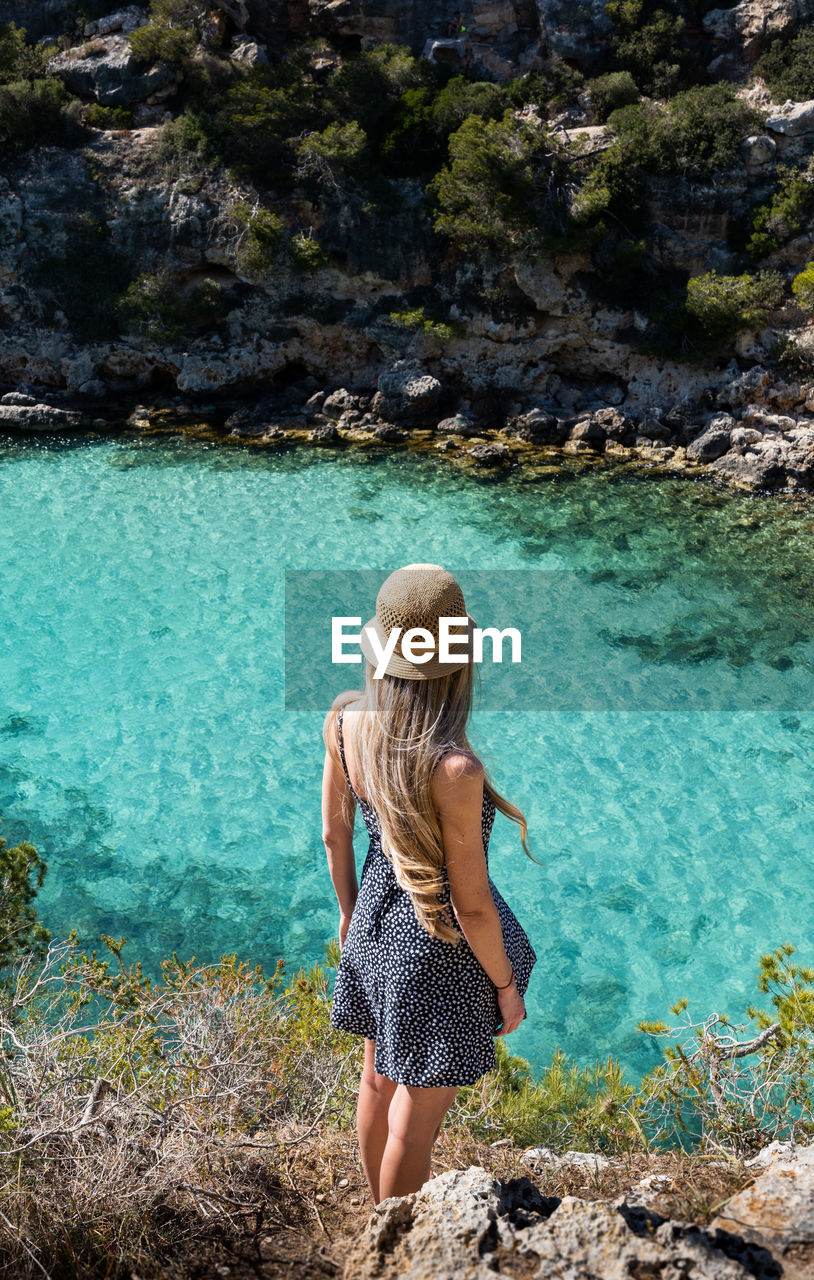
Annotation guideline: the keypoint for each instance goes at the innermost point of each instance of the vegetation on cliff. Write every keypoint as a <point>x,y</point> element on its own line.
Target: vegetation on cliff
<point>327,139</point>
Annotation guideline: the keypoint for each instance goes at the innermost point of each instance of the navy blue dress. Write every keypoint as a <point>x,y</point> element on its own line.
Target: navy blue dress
<point>428,1004</point>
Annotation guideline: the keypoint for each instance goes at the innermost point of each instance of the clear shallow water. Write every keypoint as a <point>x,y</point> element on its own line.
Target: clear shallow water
<point>146,750</point>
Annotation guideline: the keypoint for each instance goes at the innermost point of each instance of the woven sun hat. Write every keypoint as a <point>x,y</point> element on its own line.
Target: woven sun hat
<point>419,595</point>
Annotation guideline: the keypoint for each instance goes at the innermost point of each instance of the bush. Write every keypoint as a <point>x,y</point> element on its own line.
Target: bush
<point>171,33</point>
<point>306,252</point>
<point>737,1096</point>
<point>787,66</point>
<point>802,286</point>
<point>332,156</point>
<point>367,86</point>
<point>649,43</point>
<point>785,215</point>
<point>22,872</point>
<point>486,195</point>
<point>259,238</point>
<point>99,117</point>
<point>609,92</point>
<point>256,119</point>
<point>417,320</point>
<point>726,305</point>
<point>19,60</point>
<point>187,142</point>
<point>158,308</point>
<point>40,111</point>
<point>697,133</point>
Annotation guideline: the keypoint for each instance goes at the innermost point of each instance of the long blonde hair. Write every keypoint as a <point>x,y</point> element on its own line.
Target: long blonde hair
<point>405,726</point>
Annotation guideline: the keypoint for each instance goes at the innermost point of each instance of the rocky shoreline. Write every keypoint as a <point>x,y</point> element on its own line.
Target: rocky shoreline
<point>747,431</point>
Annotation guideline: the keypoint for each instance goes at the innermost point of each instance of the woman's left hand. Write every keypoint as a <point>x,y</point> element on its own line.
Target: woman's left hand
<point>344,925</point>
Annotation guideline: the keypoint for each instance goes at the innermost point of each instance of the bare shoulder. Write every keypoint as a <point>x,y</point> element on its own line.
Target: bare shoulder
<point>329,737</point>
<point>458,777</point>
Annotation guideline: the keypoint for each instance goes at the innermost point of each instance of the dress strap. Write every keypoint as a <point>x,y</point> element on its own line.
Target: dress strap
<point>342,749</point>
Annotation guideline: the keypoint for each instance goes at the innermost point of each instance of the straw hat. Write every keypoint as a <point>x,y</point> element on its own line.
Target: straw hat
<point>418,596</point>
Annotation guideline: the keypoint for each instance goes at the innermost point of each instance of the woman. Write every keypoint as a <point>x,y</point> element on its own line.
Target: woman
<point>433,963</point>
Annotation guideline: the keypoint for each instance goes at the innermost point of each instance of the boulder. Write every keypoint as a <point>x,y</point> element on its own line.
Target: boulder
<point>37,417</point>
<point>794,121</point>
<point>337,403</point>
<point>490,455</point>
<point>249,53</point>
<point>406,392</point>
<point>758,151</point>
<point>713,440</point>
<point>589,432</point>
<point>105,69</point>
<point>760,467</point>
<point>459,425</point>
<point>538,426</point>
<point>325,434</point>
<point>389,432</point>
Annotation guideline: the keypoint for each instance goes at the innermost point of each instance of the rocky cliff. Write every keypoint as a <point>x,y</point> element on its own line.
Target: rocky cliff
<point>540,339</point>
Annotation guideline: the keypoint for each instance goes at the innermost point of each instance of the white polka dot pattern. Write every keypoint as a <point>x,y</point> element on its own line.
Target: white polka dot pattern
<point>429,1005</point>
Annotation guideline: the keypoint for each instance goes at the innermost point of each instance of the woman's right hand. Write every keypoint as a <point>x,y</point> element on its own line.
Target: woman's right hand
<point>512,1009</point>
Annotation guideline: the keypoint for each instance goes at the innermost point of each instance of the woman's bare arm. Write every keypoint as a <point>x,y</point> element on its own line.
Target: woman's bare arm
<point>458,795</point>
<point>337,836</point>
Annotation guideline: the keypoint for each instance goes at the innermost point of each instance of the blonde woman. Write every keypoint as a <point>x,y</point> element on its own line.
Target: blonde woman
<point>433,962</point>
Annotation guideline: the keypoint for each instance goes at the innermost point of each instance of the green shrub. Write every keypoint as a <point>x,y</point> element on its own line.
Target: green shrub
<point>333,155</point>
<point>40,111</point>
<point>555,86</point>
<point>187,142</point>
<point>608,92</point>
<point>171,33</point>
<point>486,194</point>
<point>695,134</point>
<point>787,66</point>
<point>417,320</point>
<point>22,872</point>
<point>731,1095</point>
<point>649,43</point>
<point>258,117</point>
<point>20,60</point>
<point>726,305</point>
<point>259,238</point>
<point>367,86</point>
<point>160,309</point>
<point>802,286</point>
<point>785,215</point>
<point>306,252</point>
<point>99,117</point>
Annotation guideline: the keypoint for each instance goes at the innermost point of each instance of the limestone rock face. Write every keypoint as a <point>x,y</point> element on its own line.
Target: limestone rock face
<point>574,30</point>
<point>777,1211</point>
<point>108,72</point>
<point>464,1225</point>
<point>750,26</point>
<point>39,17</point>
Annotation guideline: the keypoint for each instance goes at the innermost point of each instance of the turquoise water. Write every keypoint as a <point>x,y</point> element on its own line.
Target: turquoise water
<point>146,750</point>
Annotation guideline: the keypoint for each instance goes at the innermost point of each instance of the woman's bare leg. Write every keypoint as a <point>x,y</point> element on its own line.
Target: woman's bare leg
<point>375,1094</point>
<point>414,1121</point>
